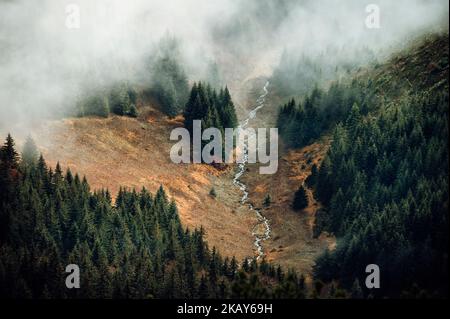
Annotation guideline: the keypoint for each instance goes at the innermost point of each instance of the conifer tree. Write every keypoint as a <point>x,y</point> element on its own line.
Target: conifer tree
<point>300,199</point>
<point>267,201</point>
<point>30,153</point>
<point>136,248</point>
<point>8,153</point>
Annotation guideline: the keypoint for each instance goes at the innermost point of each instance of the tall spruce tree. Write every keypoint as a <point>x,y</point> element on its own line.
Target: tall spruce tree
<point>8,153</point>
<point>300,199</point>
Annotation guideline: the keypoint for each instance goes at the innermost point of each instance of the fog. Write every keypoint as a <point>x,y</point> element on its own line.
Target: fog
<point>44,64</point>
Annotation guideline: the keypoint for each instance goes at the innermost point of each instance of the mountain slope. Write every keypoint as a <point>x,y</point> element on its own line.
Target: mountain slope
<point>120,151</point>
<point>384,180</point>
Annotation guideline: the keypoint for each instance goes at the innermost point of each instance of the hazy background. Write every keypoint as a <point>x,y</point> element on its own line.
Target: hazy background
<point>44,64</point>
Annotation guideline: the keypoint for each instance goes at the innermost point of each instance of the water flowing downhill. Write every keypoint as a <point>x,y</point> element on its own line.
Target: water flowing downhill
<point>259,238</point>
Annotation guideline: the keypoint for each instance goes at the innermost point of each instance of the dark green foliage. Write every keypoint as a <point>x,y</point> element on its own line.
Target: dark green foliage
<point>211,108</point>
<point>296,75</point>
<point>384,180</point>
<point>302,123</point>
<point>267,201</point>
<point>136,248</point>
<point>388,195</point>
<point>8,153</point>
<point>225,108</point>
<point>213,193</point>
<point>9,162</point>
<point>311,180</point>
<point>300,199</point>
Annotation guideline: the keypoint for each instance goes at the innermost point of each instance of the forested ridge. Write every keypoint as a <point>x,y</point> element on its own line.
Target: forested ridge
<point>135,247</point>
<point>384,180</point>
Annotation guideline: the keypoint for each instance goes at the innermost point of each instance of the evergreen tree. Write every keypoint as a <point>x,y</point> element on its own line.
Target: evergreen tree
<point>311,180</point>
<point>169,82</point>
<point>8,153</point>
<point>267,201</point>
<point>30,153</point>
<point>136,248</point>
<point>300,199</point>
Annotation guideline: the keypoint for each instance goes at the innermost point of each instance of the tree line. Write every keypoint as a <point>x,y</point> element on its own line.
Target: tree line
<point>297,73</point>
<point>212,108</point>
<point>120,99</point>
<point>133,247</point>
<point>384,180</point>
<point>168,79</point>
<point>303,122</point>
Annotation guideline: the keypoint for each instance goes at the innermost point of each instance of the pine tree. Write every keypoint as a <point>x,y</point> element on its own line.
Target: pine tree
<point>353,119</point>
<point>311,180</point>
<point>30,153</point>
<point>300,199</point>
<point>169,80</point>
<point>133,112</point>
<point>227,111</point>
<point>267,201</point>
<point>120,100</point>
<point>136,248</point>
<point>8,153</point>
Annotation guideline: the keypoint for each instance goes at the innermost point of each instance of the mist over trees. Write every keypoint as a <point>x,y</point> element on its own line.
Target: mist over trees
<point>169,82</point>
<point>123,99</point>
<point>116,39</point>
<point>303,122</point>
<point>383,184</point>
<point>384,180</point>
<point>299,73</point>
<point>120,99</point>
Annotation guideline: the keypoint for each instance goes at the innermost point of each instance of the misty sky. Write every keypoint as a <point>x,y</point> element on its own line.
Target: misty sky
<point>44,64</point>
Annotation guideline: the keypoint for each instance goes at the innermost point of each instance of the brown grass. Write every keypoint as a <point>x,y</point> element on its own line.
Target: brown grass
<point>121,151</point>
<point>291,244</point>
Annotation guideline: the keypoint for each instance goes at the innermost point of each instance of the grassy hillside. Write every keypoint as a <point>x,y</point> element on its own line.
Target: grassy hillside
<point>134,152</point>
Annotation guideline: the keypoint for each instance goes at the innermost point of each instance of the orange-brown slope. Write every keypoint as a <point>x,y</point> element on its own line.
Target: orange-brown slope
<point>291,243</point>
<point>121,151</point>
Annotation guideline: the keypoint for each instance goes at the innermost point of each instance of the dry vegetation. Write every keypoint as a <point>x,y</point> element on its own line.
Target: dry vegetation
<point>291,244</point>
<point>121,151</point>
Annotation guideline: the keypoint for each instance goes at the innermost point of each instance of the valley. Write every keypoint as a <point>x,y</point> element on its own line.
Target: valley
<point>227,150</point>
<point>134,153</point>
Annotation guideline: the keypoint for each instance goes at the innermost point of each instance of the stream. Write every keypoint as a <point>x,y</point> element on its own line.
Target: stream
<point>259,238</point>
